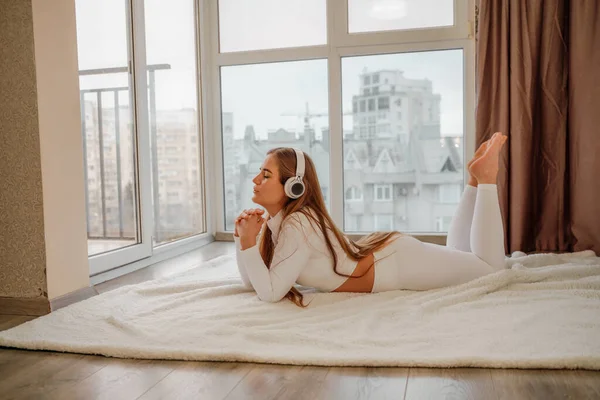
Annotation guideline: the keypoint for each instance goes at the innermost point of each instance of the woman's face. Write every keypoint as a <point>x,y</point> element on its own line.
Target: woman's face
<point>268,190</point>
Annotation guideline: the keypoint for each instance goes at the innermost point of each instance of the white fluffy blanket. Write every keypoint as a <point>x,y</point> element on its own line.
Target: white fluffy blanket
<point>542,312</point>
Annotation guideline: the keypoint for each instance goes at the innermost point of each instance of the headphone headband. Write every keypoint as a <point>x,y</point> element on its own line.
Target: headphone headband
<point>294,186</point>
<point>299,163</point>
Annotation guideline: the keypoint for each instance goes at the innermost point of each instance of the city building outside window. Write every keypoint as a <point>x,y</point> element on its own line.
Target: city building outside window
<point>382,192</point>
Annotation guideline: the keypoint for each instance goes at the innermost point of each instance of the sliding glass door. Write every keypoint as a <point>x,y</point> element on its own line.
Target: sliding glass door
<point>174,120</point>
<point>140,127</point>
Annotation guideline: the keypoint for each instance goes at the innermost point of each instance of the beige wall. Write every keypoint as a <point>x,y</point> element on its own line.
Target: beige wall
<point>22,247</point>
<point>61,145</point>
<point>43,244</point>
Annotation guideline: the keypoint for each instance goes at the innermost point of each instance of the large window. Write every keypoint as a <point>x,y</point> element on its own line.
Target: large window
<point>267,106</point>
<point>378,92</point>
<point>423,151</point>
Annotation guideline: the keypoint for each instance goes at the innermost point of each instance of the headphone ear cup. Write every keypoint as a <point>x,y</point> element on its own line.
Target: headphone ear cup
<point>287,188</point>
<point>297,189</point>
<point>294,188</point>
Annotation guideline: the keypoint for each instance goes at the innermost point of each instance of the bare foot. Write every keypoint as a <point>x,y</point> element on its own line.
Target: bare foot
<point>485,168</point>
<point>480,151</point>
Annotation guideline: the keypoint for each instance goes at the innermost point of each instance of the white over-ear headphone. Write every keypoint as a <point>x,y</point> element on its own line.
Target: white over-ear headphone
<point>294,186</point>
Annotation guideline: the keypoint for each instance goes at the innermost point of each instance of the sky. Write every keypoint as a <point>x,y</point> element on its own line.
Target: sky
<point>259,94</point>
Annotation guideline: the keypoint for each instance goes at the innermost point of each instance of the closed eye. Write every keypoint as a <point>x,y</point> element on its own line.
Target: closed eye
<point>265,170</point>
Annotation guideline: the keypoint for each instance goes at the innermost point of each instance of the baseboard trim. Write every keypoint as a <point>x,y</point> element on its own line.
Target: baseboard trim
<point>35,306</point>
<point>73,297</point>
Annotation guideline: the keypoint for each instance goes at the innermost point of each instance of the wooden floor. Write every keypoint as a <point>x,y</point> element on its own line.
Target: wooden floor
<point>48,375</point>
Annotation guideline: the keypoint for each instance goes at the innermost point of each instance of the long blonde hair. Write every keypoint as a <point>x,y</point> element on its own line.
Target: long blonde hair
<point>312,200</point>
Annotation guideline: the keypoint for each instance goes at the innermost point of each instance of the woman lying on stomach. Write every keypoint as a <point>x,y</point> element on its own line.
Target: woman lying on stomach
<point>299,243</point>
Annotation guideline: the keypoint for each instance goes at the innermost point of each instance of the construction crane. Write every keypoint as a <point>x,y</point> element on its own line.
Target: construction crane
<point>307,116</point>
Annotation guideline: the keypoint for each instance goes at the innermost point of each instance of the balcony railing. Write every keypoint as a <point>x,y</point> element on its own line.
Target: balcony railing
<point>120,230</point>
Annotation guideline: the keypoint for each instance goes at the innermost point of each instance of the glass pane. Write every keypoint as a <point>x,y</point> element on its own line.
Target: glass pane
<point>267,106</point>
<point>174,120</point>
<point>390,15</point>
<point>409,149</point>
<point>271,24</point>
<point>107,128</point>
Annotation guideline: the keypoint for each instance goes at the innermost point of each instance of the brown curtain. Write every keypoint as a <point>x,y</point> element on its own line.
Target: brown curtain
<point>538,81</point>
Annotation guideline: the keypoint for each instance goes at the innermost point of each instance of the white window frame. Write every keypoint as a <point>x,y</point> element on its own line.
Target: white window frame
<point>388,186</point>
<point>354,189</point>
<point>339,44</point>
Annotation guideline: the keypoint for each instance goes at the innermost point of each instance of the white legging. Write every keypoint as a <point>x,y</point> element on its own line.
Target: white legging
<point>475,247</point>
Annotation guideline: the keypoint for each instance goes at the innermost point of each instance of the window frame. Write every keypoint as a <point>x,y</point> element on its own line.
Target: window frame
<point>354,190</point>
<point>383,186</point>
<point>340,44</point>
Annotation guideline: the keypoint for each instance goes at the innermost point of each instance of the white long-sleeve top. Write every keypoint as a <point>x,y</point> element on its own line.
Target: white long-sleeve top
<point>300,256</point>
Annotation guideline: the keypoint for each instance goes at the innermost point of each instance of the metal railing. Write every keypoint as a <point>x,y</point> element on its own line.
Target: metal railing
<point>99,92</point>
